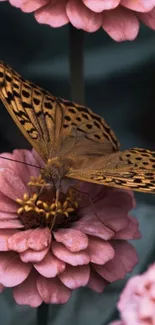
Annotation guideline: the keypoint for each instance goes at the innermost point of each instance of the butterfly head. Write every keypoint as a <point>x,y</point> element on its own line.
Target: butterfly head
<point>55,169</point>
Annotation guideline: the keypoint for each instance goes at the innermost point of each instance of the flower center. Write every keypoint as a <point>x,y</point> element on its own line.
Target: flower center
<point>40,209</point>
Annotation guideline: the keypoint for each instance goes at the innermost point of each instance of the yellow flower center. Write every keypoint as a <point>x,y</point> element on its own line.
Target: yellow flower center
<point>40,209</point>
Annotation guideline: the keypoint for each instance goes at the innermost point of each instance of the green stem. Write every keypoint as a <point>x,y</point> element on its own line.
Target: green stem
<point>42,314</point>
<point>76,62</point>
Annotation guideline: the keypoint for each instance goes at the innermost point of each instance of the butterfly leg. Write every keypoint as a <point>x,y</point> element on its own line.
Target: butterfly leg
<point>57,205</point>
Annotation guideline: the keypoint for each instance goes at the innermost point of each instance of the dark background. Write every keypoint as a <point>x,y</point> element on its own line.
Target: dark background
<point>120,86</point>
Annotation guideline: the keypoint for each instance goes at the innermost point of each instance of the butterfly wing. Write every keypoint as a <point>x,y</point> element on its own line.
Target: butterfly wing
<point>55,126</point>
<point>33,109</point>
<point>52,125</point>
<point>130,169</point>
<point>84,132</point>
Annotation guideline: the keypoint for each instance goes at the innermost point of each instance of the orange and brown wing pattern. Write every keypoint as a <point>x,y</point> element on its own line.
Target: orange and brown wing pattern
<point>130,169</point>
<point>32,109</point>
<point>52,125</point>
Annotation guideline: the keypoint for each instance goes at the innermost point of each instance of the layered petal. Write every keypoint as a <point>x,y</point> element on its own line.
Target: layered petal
<point>96,282</point>
<point>33,256</point>
<point>44,264</point>
<point>100,5</point>
<point>52,291</point>
<point>76,258</point>
<point>119,18</point>
<point>8,184</point>
<point>50,266</point>
<point>81,17</point>
<point>122,263</point>
<point>53,14</point>
<point>148,18</point>
<point>140,5</point>
<point>121,24</point>
<point>12,270</point>
<point>100,251</point>
<point>27,293</point>
<point>74,240</point>
<point>36,239</point>
<point>75,277</point>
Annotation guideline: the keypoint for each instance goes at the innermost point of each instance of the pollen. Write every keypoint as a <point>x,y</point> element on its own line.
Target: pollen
<point>37,181</point>
<point>41,209</point>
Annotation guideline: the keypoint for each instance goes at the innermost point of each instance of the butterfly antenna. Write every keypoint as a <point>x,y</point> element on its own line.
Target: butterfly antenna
<point>21,162</point>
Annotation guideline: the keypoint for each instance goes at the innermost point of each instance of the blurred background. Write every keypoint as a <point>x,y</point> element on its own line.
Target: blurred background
<point>120,86</point>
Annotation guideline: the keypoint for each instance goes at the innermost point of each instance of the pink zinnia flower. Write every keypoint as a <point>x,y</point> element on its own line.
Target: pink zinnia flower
<point>137,301</point>
<point>119,18</point>
<point>83,248</point>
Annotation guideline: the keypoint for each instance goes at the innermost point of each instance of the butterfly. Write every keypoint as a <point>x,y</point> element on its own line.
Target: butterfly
<point>73,141</point>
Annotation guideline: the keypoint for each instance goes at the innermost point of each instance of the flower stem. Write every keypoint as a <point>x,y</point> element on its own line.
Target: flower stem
<point>76,62</point>
<point>42,314</point>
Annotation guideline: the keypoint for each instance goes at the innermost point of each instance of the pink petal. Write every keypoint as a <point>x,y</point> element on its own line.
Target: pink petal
<point>12,270</point>
<point>17,3</point>
<point>5,216</point>
<point>52,291</point>
<point>29,158</point>
<point>130,232</point>
<point>36,239</point>
<point>139,5</point>
<point>100,251</point>
<point>5,234</point>
<point>123,262</point>
<point>92,226</point>
<point>10,224</point>
<point>73,239</point>
<point>53,14</point>
<point>61,252</point>
<point>93,190</point>
<point>75,277</point>
<point>6,163</point>
<point>7,205</point>
<point>100,5</point>
<point>39,239</point>
<point>26,293</point>
<point>113,209</point>
<point>33,256</point>
<point>120,23</point>
<point>11,185</point>
<point>96,282</point>
<point>21,170</point>
<point>18,241</point>
<point>50,266</point>
<point>81,17</point>
<point>32,5</point>
<point>146,309</point>
<point>148,18</point>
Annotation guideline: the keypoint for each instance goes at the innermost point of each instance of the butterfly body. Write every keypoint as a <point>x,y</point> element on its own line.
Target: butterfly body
<point>73,141</point>
<point>55,170</point>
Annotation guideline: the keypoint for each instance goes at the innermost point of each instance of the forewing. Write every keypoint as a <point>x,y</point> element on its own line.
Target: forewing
<point>131,169</point>
<point>84,132</point>
<point>53,126</point>
<point>35,111</point>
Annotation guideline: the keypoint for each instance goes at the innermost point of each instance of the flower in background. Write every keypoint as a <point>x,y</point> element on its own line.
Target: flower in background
<point>119,18</point>
<point>137,301</point>
<point>45,255</point>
